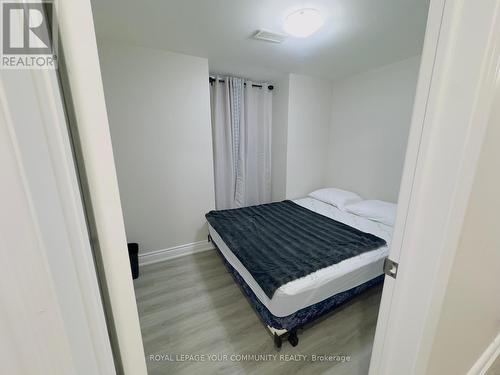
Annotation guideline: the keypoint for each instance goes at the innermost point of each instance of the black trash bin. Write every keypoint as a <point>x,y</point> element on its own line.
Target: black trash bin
<point>133,254</point>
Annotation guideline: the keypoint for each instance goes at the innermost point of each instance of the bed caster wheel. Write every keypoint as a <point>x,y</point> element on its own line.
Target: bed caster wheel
<point>277,341</point>
<point>293,339</point>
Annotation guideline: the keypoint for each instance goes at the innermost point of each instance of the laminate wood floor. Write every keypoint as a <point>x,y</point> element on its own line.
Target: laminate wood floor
<point>192,306</point>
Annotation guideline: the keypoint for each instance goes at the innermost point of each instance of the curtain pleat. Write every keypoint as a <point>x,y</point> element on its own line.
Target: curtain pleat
<point>222,136</point>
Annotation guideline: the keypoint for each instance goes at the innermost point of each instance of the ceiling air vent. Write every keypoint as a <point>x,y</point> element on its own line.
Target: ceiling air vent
<point>269,36</point>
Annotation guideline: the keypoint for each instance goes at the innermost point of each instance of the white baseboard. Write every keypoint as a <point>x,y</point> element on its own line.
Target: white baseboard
<point>487,358</point>
<point>174,252</point>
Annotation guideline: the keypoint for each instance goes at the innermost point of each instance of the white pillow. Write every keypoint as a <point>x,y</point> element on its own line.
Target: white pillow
<point>336,197</point>
<point>383,212</point>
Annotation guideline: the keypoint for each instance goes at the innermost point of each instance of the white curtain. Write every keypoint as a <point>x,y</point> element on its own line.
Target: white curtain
<point>241,129</point>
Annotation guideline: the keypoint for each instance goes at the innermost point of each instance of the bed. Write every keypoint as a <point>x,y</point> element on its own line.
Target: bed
<point>297,302</point>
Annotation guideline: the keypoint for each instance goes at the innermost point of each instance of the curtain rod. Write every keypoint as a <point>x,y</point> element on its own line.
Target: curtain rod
<point>212,80</point>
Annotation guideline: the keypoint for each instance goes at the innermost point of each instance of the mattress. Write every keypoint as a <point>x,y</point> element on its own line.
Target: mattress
<point>326,282</point>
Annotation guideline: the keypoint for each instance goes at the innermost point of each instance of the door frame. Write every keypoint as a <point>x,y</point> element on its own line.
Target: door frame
<point>457,85</point>
<point>98,173</point>
<point>453,97</point>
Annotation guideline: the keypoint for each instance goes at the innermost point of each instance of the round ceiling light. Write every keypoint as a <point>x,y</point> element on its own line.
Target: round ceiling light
<point>303,22</point>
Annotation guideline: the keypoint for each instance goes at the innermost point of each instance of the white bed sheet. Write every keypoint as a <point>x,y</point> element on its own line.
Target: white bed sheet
<point>327,281</point>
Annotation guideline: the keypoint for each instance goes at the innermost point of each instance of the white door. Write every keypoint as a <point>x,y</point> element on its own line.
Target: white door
<point>51,315</point>
<point>453,101</point>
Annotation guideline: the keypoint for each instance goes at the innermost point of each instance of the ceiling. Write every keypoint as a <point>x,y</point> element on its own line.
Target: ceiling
<point>358,35</point>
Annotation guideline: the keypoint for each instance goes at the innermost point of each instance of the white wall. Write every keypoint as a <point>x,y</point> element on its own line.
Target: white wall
<point>470,317</point>
<point>370,121</point>
<point>279,138</point>
<point>309,111</point>
<point>159,113</point>
<point>350,133</point>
